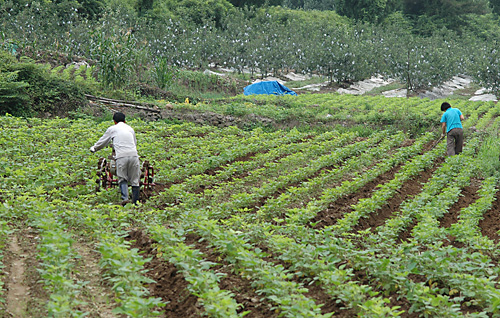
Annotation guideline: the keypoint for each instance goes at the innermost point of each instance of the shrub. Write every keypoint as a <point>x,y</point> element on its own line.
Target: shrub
<point>163,73</point>
<point>13,96</point>
<point>31,89</point>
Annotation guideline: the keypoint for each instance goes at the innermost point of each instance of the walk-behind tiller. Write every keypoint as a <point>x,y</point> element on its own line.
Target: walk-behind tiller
<point>106,174</point>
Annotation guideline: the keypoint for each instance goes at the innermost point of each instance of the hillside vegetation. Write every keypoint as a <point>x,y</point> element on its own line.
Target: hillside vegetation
<point>152,50</point>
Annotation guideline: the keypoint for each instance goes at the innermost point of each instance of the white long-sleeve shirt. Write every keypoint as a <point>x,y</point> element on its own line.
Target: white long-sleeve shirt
<point>123,138</point>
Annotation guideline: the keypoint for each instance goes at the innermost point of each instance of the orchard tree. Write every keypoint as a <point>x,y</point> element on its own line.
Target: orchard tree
<point>343,54</point>
<point>91,9</point>
<point>201,11</point>
<point>445,8</point>
<point>421,62</point>
<point>310,4</point>
<point>144,6</point>
<point>495,6</point>
<point>64,9</point>
<point>255,3</point>
<point>485,67</point>
<point>240,42</point>
<point>448,13</point>
<point>367,10</point>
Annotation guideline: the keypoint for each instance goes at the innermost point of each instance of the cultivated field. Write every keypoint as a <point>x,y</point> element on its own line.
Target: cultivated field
<point>287,223</point>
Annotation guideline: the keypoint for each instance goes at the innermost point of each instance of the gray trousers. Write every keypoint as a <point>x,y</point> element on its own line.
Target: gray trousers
<point>454,141</point>
<point>128,169</point>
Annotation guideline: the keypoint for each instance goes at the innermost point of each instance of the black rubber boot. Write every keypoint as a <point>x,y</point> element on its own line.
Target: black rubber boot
<point>135,194</point>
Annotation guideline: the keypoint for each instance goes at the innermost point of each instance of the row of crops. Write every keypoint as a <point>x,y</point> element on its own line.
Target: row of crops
<point>262,224</point>
<point>332,110</point>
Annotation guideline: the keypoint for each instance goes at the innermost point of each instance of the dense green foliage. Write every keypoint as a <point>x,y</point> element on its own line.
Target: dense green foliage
<point>13,95</point>
<point>27,88</point>
<point>144,42</point>
<point>368,10</point>
<point>495,6</point>
<point>260,199</point>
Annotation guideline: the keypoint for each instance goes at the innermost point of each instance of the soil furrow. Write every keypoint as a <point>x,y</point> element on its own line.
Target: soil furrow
<point>407,191</point>
<point>467,197</point>
<point>490,224</point>
<point>246,292</point>
<point>243,291</point>
<point>170,284</point>
<point>340,207</point>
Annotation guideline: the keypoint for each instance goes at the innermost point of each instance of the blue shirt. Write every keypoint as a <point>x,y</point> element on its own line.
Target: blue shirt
<point>452,119</point>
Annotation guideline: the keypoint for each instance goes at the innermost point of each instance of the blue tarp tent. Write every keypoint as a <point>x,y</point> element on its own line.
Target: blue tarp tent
<point>268,87</point>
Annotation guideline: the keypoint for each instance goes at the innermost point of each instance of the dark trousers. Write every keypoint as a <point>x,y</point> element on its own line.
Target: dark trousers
<point>455,141</point>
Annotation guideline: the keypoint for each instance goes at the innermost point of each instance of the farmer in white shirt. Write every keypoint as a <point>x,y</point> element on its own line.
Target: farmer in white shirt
<point>128,167</point>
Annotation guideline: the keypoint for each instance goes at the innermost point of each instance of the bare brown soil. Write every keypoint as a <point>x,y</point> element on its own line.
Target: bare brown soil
<point>340,207</point>
<point>172,287</point>
<point>24,294</point>
<point>407,191</point>
<point>244,293</point>
<point>490,224</point>
<point>467,196</point>
<point>96,293</point>
<point>18,290</point>
<point>170,284</point>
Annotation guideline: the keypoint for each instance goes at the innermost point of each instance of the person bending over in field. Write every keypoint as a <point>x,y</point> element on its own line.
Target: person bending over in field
<point>451,123</point>
<point>128,167</point>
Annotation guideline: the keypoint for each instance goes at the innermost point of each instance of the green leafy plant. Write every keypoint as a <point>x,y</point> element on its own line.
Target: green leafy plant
<point>164,74</point>
<point>116,56</point>
<point>13,95</point>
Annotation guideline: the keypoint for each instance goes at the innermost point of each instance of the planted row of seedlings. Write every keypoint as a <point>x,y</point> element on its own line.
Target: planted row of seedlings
<point>378,240</point>
<point>212,230</point>
<point>281,165</point>
<point>335,277</point>
<point>434,197</point>
<point>298,195</point>
<point>314,207</point>
<point>233,197</point>
<point>55,253</point>
<point>48,161</point>
<point>122,267</point>
<point>193,159</point>
<point>195,182</point>
<point>467,230</point>
<point>377,111</point>
<point>164,234</point>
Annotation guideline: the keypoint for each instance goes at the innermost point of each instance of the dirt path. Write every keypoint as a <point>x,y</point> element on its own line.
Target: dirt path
<point>25,296</point>
<point>18,291</point>
<point>98,298</point>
